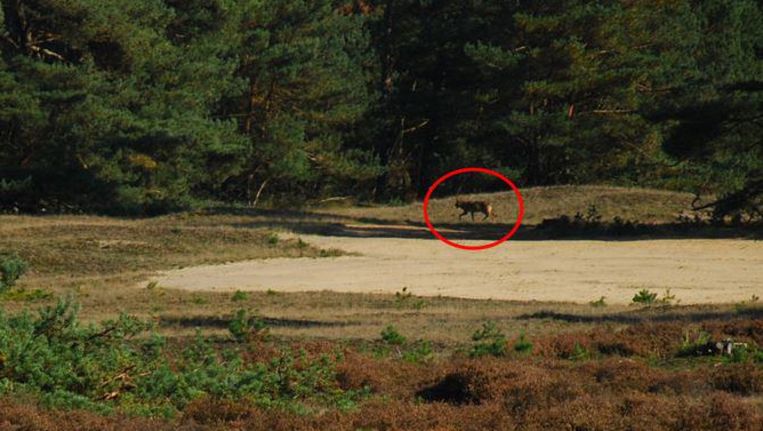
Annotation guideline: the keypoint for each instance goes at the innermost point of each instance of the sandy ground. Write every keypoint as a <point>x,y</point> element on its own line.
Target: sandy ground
<point>696,270</point>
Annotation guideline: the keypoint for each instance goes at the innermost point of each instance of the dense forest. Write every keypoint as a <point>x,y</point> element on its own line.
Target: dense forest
<point>148,106</point>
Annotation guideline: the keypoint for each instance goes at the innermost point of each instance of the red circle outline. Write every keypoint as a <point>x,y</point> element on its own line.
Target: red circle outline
<point>482,171</point>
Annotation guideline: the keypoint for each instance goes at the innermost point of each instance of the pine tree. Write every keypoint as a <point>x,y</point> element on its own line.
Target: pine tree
<point>717,118</point>
<point>117,113</point>
<point>303,63</point>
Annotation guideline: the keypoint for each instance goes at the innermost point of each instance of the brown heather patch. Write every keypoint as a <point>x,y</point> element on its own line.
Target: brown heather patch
<point>750,330</point>
<point>742,379</point>
<point>474,394</point>
<point>397,379</point>
<point>648,339</point>
<point>16,416</point>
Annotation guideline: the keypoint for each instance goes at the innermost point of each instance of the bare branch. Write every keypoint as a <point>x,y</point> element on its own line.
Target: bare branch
<point>47,52</point>
<point>414,128</point>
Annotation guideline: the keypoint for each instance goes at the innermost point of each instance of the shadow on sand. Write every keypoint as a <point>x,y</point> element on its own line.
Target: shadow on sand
<point>649,315</point>
<point>328,224</point>
<point>223,322</point>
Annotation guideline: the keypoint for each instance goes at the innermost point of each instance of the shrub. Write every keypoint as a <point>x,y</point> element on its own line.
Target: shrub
<point>741,354</point>
<point>644,296</point>
<point>66,364</point>
<point>598,303</point>
<point>239,296</point>
<point>488,341</point>
<point>390,336</point>
<point>668,298</point>
<point>12,268</point>
<point>244,326</point>
<point>522,345</point>
<point>420,351</point>
<point>579,353</point>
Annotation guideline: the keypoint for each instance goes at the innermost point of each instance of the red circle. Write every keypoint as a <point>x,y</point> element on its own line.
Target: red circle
<point>474,247</point>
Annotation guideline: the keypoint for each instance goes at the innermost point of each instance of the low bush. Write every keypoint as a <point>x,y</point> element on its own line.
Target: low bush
<point>488,341</point>
<point>245,326</point>
<point>420,351</point>
<point>391,336</point>
<point>644,296</point>
<point>522,345</point>
<point>598,303</point>
<point>120,366</point>
<point>239,296</point>
<point>12,267</point>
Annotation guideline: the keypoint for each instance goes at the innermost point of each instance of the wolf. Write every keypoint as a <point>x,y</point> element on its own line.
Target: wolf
<point>471,207</point>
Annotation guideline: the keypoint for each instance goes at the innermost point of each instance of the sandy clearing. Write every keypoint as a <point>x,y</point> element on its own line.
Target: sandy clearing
<point>696,271</point>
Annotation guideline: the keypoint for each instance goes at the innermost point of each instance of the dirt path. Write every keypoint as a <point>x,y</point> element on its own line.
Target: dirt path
<point>696,271</point>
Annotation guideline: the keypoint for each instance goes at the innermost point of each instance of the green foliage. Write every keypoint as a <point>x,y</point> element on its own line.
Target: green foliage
<point>145,106</point>
<point>579,353</point>
<point>418,352</point>
<point>598,303</point>
<point>715,127</point>
<point>645,296</point>
<point>523,345</point>
<point>391,336</point>
<point>303,64</point>
<point>757,356</point>
<point>150,106</point>
<point>12,267</point>
<point>245,326</point>
<point>741,355</point>
<point>489,340</point>
<point>239,296</point>
<point>116,367</point>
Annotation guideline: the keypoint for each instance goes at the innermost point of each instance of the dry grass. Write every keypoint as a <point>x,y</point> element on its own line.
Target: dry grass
<point>101,260</point>
<point>644,205</point>
<point>631,377</point>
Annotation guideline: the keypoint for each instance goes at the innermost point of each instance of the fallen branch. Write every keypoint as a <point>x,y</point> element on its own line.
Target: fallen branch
<point>336,198</point>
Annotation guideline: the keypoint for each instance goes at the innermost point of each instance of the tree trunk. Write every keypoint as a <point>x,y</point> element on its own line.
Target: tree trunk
<point>259,192</point>
<point>385,144</point>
